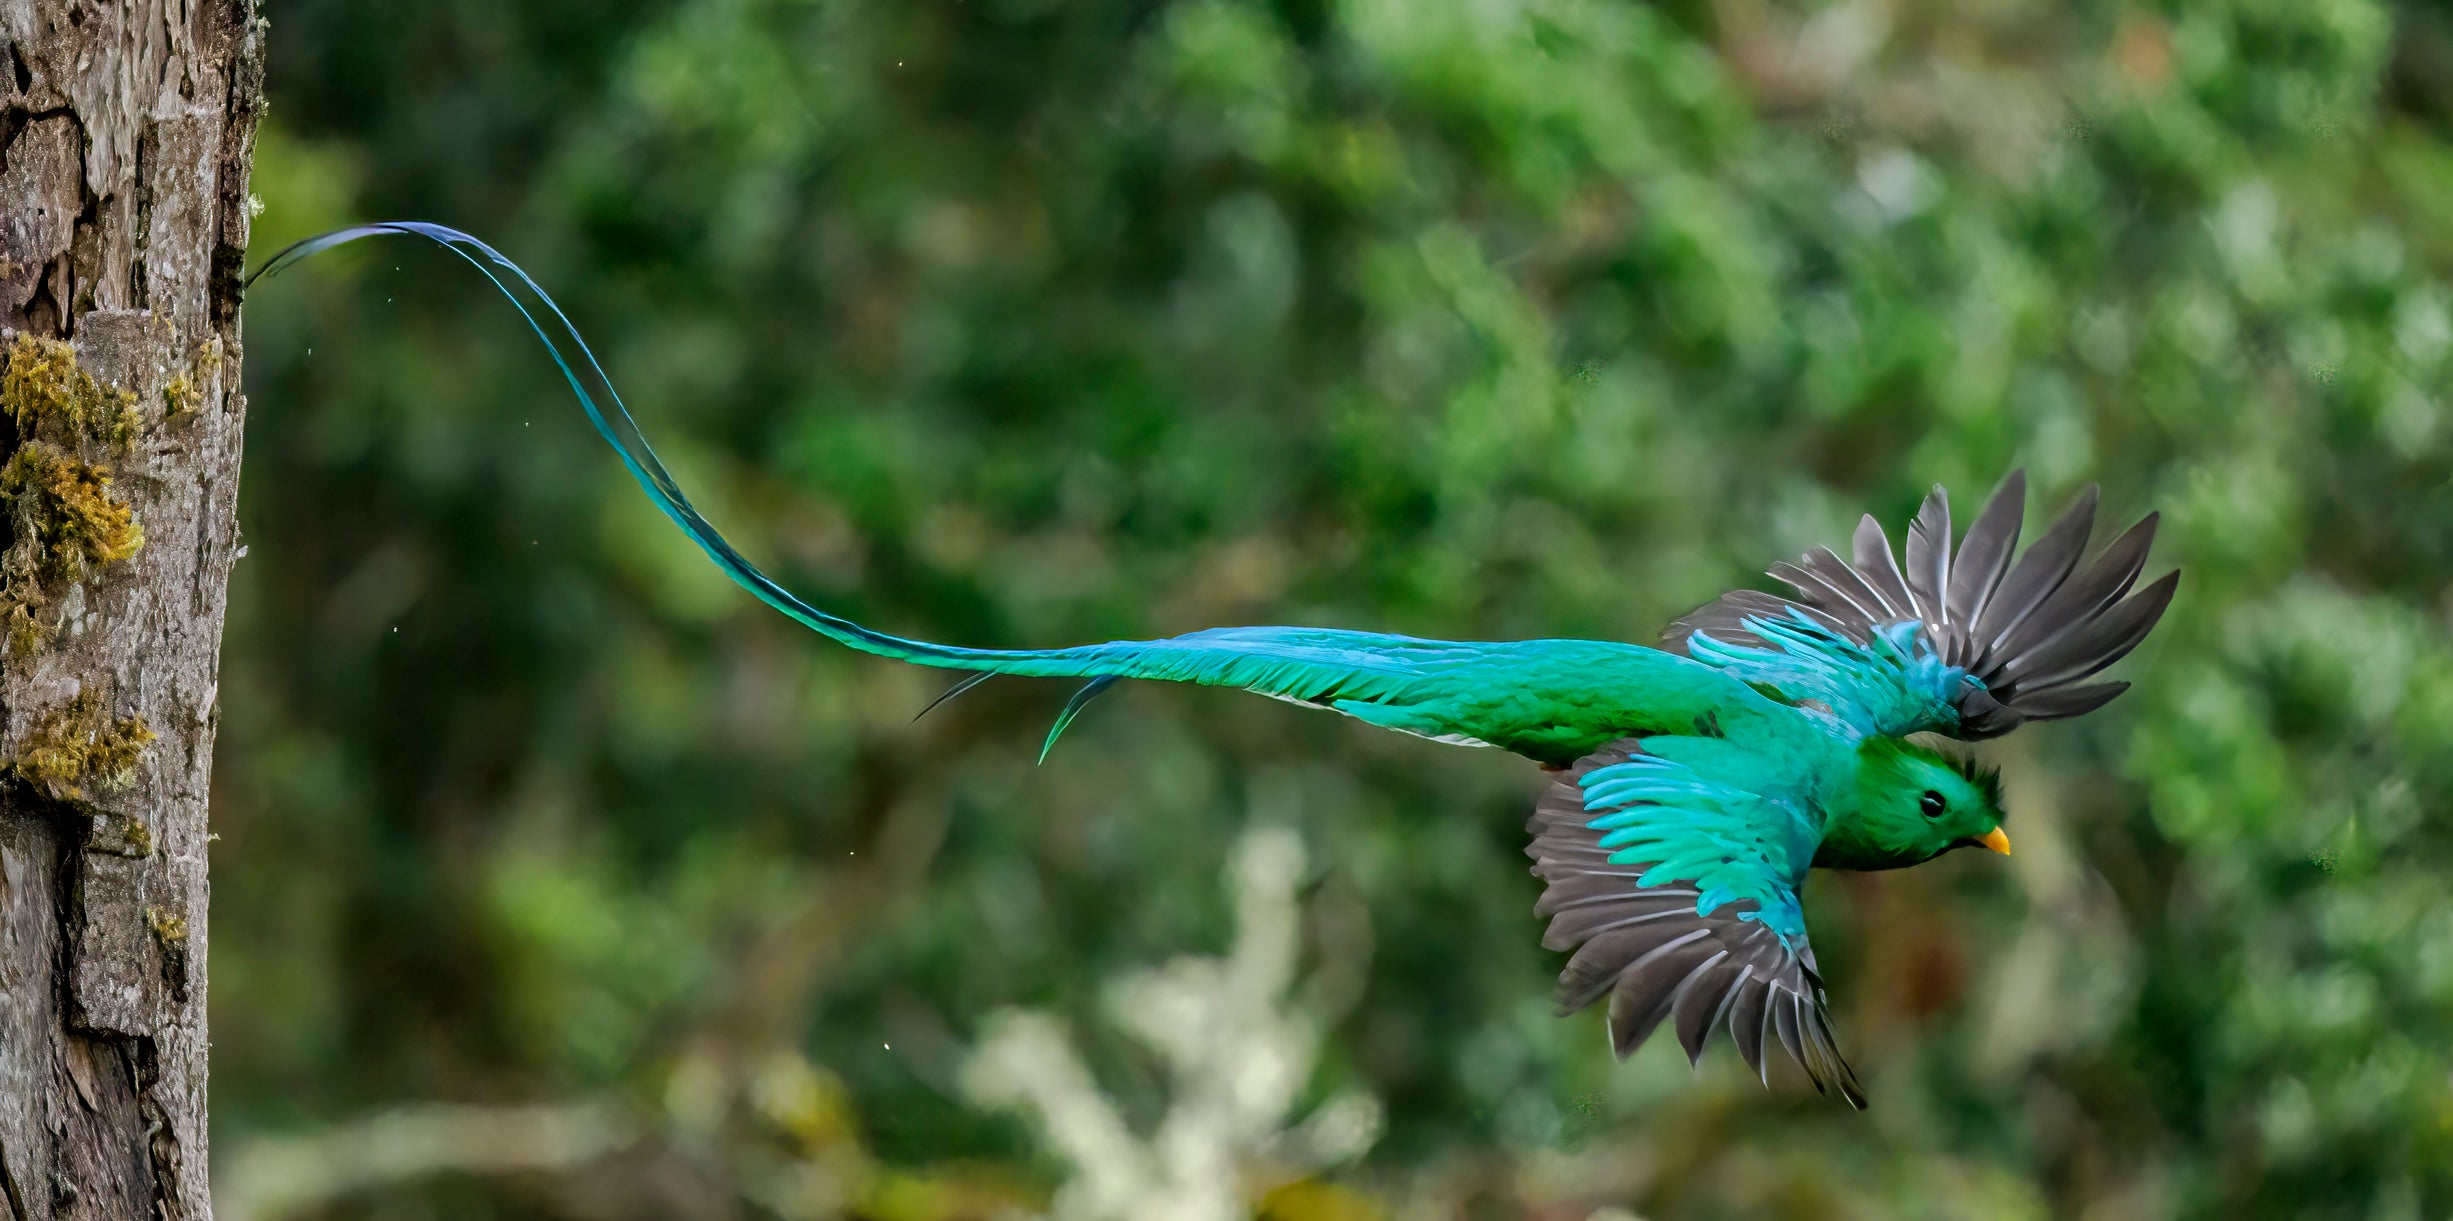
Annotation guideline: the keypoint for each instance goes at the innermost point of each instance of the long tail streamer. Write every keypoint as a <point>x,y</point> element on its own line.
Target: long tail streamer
<point>615,424</point>
<point>1327,668</point>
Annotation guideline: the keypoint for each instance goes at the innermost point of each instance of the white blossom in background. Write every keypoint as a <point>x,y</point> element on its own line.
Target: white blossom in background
<point>1237,1048</point>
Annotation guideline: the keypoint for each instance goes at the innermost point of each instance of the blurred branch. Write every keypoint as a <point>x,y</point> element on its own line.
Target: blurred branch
<point>285,1176</point>
<point>1239,1053</point>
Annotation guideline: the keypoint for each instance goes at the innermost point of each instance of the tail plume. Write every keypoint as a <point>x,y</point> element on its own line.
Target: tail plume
<point>1350,671</point>
<point>620,430</point>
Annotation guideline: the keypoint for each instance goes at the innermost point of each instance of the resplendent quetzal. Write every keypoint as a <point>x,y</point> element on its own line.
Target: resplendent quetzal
<point>1691,785</point>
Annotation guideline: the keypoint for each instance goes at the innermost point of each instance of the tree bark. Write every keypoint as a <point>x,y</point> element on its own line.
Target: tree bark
<point>126,129</point>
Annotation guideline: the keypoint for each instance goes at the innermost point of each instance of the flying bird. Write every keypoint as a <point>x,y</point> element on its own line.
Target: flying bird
<point>1689,786</point>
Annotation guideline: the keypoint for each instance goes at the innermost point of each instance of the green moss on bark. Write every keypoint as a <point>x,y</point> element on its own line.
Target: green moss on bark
<point>67,524</point>
<point>49,395</point>
<point>81,744</point>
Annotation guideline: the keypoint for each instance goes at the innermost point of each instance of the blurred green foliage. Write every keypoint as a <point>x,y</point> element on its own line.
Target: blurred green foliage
<point>1016,322</point>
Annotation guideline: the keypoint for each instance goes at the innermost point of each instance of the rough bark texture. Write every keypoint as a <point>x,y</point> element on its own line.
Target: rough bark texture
<point>126,128</point>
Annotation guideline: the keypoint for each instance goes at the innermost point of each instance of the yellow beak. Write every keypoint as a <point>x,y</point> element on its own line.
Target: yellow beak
<point>1997,841</point>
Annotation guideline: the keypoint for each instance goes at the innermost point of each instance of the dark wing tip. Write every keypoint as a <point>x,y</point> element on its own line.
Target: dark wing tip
<point>1659,963</point>
<point>1833,1070</point>
<point>2050,622</point>
<point>2030,626</point>
<point>2046,678</point>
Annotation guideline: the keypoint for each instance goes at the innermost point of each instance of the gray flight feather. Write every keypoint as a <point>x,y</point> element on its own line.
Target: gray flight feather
<point>2027,627</point>
<point>1658,961</point>
<point>1929,557</point>
<point>1984,555</point>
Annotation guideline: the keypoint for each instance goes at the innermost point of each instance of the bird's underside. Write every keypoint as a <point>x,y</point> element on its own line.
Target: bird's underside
<point>1670,871</point>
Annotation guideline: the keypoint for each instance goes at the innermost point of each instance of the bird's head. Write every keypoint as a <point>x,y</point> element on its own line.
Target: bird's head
<point>1914,803</point>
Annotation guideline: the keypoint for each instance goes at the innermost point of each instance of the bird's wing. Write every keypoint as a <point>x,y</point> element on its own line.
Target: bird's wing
<point>1967,643</point>
<point>1678,893</point>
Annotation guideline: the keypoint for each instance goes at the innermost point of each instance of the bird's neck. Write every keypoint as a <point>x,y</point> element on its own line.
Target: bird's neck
<point>1852,837</point>
<point>1849,844</point>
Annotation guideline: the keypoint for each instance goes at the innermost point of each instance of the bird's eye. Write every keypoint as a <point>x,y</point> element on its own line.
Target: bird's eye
<point>1930,803</point>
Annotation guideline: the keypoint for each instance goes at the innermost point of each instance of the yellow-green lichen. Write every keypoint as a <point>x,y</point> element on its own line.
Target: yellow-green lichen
<point>179,396</point>
<point>76,522</point>
<point>26,631</point>
<point>65,521</point>
<point>183,394</point>
<point>168,926</point>
<point>80,743</point>
<point>135,839</point>
<point>49,395</point>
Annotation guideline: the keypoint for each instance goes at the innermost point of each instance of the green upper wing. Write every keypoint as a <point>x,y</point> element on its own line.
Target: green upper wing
<point>1969,644</point>
<point>1676,885</point>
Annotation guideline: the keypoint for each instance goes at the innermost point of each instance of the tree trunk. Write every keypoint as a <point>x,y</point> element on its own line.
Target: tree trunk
<point>126,128</point>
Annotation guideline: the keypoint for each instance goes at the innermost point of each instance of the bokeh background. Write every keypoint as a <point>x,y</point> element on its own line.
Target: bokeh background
<point>559,879</point>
